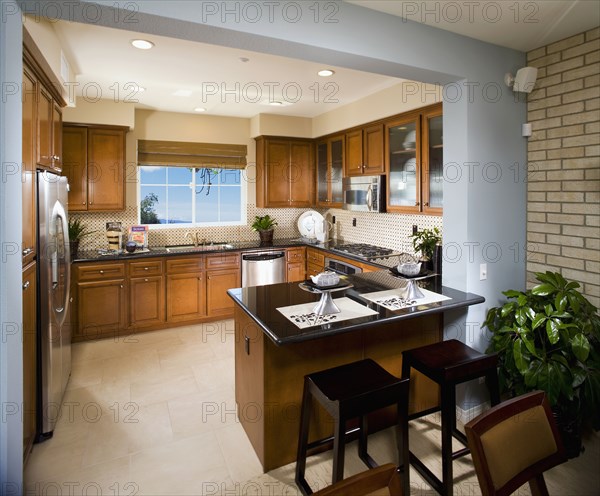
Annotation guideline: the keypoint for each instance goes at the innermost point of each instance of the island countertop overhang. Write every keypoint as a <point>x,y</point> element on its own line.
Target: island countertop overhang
<point>261,304</point>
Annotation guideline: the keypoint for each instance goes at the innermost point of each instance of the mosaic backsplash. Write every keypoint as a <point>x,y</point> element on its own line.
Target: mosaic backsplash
<point>386,230</point>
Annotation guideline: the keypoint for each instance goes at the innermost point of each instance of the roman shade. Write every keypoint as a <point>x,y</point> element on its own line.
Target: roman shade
<point>188,154</point>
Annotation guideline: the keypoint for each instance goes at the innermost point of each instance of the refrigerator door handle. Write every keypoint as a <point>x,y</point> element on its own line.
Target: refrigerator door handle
<point>60,213</point>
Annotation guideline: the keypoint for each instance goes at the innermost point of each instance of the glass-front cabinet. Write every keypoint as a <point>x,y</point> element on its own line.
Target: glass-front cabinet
<point>414,162</point>
<point>330,163</point>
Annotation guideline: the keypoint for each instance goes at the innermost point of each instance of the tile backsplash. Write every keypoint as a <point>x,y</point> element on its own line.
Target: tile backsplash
<point>387,230</point>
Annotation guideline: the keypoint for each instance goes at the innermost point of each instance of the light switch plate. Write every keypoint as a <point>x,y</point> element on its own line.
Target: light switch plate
<point>482,272</point>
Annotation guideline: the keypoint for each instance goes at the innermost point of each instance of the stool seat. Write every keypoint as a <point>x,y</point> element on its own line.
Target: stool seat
<point>346,392</point>
<point>449,363</point>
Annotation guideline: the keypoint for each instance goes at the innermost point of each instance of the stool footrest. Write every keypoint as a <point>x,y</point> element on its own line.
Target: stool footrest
<point>460,436</point>
<point>424,472</point>
<point>460,453</point>
<point>320,442</point>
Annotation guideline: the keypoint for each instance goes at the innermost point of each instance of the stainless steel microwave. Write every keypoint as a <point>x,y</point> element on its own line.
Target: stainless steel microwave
<point>364,193</point>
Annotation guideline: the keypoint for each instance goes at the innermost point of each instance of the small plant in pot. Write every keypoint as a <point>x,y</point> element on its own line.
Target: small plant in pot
<point>77,231</point>
<point>264,225</point>
<point>548,338</point>
<point>424,242</point>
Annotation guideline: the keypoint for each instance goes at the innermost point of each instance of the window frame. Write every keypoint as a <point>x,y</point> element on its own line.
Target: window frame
<point>243,202</point>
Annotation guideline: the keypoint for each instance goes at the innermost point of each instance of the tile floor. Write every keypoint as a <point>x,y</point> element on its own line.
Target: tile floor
<point>154,414</point>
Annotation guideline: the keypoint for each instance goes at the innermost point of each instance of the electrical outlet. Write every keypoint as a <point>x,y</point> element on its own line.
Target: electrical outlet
<point>482,272</point>
<point>415,229</point>
<point>354,222</point>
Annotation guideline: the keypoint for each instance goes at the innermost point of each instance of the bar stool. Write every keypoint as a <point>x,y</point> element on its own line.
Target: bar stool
<point>347,392</point>
<point>449,363</point>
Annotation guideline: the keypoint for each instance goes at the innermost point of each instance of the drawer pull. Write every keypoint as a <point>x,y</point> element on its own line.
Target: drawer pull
<point>25,285</point>
<point>101,272</point>
<point>145,268</point>
<point>27,251</point>
<point>121,286</point>
<point>145,280</point>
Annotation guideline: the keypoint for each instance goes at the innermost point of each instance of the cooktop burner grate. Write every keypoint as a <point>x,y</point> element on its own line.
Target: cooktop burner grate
<point>365,251</point>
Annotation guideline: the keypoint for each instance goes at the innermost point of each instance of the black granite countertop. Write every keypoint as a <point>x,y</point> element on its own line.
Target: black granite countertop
<point>261,304</point>
<point>234,246</point>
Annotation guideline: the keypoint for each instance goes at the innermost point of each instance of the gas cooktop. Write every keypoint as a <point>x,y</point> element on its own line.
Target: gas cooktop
<point>366,251</point>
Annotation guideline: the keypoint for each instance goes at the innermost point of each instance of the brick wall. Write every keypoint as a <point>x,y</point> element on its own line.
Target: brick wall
<point>563,204</point>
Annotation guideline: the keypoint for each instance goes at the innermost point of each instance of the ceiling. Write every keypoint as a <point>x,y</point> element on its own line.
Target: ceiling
<point>523,25</point>
<point>180,75</point>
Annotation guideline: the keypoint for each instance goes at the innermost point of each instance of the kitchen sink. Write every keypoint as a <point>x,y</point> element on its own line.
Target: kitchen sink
<point>192,248</point>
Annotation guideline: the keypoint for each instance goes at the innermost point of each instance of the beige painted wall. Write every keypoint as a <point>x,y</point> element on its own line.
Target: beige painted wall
<point>105,112</point>
<point>281,125</point>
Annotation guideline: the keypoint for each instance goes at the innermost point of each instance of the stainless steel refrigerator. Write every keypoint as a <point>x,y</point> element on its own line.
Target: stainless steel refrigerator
<point>54,267</point>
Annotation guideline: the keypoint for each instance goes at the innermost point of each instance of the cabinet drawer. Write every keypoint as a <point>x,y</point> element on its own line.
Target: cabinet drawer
<point>183,265</point>
<point>315,257</point>
<point>313,269</point>
<point>145,268</point>
<point>100,272</point>
<point>295,254</point>
<point>224,260</point>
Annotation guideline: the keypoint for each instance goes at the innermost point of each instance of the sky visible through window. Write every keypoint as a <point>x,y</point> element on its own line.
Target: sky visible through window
<point>181,195</point>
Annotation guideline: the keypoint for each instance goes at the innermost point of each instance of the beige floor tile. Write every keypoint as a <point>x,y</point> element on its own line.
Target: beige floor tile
<point>242,462</point>
<point>131,367</point>
<point>176,356</point>
<point>108,439</point>
<point>186,466</point>
<point>49,460</point>
<point>148,427</point>
<point>86,373</point>
<point>202,412</point>
<point>164,386</point>
<point>218,374</point>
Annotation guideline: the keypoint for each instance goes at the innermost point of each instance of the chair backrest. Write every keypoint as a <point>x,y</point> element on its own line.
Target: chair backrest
<point>514,443</point>
<point>380,481</point>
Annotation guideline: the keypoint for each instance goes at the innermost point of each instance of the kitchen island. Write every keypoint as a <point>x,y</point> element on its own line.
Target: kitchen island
<point>277,343</point>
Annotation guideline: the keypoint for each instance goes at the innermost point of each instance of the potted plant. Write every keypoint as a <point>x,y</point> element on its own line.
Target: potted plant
<point>264,225</point>
<point>424,242</point>
<point>77,231</point>
<point>548,338</point>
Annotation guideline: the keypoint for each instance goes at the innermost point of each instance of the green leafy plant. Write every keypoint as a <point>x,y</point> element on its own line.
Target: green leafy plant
<point>263,223</point>
<point>77,230</point>
<point>424,242</point>
<point>548,338</point>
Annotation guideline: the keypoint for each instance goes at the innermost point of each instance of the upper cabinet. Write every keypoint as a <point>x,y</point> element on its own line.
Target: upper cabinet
<point>414,156</point>
<point>49,134</point>
<point>28,179</point>
<point>330,164</point>
<point>364,151</point>
<point>94,162</point>
<point>284,172</point>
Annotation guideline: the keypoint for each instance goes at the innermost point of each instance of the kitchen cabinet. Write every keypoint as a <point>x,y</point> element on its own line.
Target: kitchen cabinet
<point>284,172</point>
<point>146,293</point>
<point>100,300</point>
<point>29,358</point>
<point>48,131</point>
<point>364,151</point>
<point>315,261</point>
<point>94,162</point>
<point>414,155</point>
<point>28,175</point>
<point>296,264</point>
<point>186,295</point>
<point>330,165</point>
<point>222,273</point>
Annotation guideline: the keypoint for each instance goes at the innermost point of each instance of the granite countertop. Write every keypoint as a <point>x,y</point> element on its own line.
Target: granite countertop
<point>261,304</point>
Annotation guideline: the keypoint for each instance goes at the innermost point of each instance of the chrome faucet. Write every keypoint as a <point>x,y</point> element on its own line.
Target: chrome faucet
<point>200,241</point>
<point>193,239</point>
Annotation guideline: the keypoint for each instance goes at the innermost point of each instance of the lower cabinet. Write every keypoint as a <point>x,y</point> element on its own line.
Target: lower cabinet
<point>217,284</point>
<point>296,264</point>
<point>186,293</point>
<point>29,358</point>
<point>101,309</point>
<point>146,301</point>
<point>315,262</point>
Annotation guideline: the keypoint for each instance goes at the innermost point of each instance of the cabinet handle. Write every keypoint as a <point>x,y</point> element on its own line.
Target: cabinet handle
<point>417,204</point>
<point>121,286</point>
<point>27,251</point>
<point>70,300</point>
<point>427,204</point>
<point>25,285</point>
<point>101,272</point>
<point>83,203</point>
<point>145,268</point>
<point>145,280</point>
<point>247,345</point>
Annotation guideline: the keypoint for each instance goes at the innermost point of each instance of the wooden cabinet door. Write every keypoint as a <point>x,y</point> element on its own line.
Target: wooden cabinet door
<point>217,284</point>
<point>373,156</point>
<point>277,174</point>
<point>296,272</point>
<point>28,168</point>
<point>433,159</point>
<point>75,166</point>
<point>106,163</point>
<point>56,137</point>
<point>301,174</point>
<point>186,298</point>
<point>29,358</point>
<point>100,308</point>
<point>146,301</point>
<point>45,108</point>
<point>353,165</point>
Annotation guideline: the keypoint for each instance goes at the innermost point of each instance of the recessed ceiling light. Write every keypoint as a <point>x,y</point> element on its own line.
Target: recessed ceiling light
<point>199,109</point>
<point>326,73</point>
<point>244,59</point>
<point>142,44</point>
<point>140,89</point>
<point>276,103</point>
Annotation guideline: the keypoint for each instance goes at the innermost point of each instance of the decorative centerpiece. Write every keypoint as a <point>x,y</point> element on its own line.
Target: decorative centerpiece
<point>77,231</point>
<point>264,225</point>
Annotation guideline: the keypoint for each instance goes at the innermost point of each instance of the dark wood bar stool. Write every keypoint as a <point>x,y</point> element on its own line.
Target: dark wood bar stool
<point>348,392</point>
<point>449,363</point>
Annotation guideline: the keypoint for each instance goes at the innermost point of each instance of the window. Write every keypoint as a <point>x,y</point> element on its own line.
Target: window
<point>182,196</point>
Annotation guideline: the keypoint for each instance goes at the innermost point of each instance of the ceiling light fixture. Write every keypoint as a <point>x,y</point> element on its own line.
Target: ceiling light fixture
<point>199,109</point>
<point>276,103</point>
<point>142,44</point>
<point>326,73</point>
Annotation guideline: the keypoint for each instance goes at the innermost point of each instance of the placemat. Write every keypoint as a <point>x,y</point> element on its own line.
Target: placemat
<point>394,299</point>
<point>303,316</point>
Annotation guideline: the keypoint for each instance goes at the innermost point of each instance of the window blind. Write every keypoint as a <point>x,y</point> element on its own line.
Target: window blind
<point>188,154</point>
